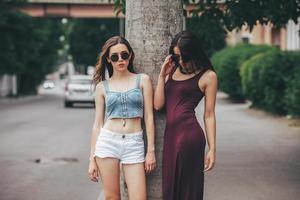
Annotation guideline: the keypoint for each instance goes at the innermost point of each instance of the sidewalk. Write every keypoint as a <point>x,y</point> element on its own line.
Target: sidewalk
<point>258,155</point>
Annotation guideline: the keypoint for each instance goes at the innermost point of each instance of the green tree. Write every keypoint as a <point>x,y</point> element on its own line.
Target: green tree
<point>43,37</point>
<point>10,33</point>
<point>234,14</point>
<point>211,19</point>
<point>87,37</point>
<point>209,31</point>
<point>28,47</point>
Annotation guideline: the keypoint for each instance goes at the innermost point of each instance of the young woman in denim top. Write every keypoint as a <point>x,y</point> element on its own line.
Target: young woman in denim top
<point>186,77</point>
<point>123,100</point>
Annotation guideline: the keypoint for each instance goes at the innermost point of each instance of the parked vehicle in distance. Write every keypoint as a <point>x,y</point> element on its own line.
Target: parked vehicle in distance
<point>48,84</point>
<point>78,89</point>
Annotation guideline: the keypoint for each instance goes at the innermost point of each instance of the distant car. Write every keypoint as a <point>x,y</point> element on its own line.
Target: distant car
<point>48,84</point>
<point>78,89</point>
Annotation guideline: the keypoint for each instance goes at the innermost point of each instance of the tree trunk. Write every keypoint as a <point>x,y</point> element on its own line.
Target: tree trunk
<point>149,27</point>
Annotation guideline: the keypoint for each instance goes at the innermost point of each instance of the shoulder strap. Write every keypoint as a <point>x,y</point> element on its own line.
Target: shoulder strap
<point>105,84</point>
<point>172,72</point>
<point>201,73</point>
<point>138,80</point>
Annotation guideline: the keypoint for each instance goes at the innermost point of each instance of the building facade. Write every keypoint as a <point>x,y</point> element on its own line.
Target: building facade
<point>287,38</point>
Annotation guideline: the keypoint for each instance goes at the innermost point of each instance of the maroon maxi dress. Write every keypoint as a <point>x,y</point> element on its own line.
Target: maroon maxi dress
<point>184,141</point>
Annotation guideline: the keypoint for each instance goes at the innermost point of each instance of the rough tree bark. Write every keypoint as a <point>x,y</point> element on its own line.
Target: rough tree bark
<point>149,27</point>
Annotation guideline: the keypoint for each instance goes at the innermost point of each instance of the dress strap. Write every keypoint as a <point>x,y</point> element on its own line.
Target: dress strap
<point>201,73</point>
<point>172,72</point>
<point>105,84</point>
<point>138,80</point>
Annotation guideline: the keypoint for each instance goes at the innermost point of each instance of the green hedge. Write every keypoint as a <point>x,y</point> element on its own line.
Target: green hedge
<point>250,74</point>
<point>227,63</point>
<point>263,81</point>
<point>292,92</point>
<point>270,81</point>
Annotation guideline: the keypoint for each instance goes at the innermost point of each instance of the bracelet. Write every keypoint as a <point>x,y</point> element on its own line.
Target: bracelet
<point>152,149</point>
<point>92,159</point>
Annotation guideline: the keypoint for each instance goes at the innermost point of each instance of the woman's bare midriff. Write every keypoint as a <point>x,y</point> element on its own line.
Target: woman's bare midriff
<point>132,125</point>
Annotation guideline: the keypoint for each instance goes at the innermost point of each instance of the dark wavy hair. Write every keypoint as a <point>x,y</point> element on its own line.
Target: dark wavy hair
<point>191,51</point>
<point>102,64</point>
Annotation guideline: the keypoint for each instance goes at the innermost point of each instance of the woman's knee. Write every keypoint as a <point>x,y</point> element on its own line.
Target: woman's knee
<point>137,195</point>
<point>112,196</point>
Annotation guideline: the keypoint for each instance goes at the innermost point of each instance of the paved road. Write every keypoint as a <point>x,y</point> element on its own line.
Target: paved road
<point>41,128</point>
<point>258,155</point>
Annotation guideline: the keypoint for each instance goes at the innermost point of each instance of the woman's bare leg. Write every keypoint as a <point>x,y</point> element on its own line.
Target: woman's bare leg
<point>110,175</point>
<point>135,180</point>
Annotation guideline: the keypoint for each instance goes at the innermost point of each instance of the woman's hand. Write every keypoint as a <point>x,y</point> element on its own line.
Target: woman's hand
<point>93,171</point>
<point>210,160</point>
<point>166,67</point>
<point>150,162</point>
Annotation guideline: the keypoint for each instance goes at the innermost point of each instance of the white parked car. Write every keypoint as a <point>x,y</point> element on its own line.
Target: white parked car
<point>79,89</point>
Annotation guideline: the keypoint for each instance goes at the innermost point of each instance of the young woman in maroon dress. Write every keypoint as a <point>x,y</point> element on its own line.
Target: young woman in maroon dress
<point>186,77</point>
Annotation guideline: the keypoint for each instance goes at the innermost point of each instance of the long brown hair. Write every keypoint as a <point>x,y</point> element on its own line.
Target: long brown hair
<point>191,51</point>
<point>102,64</point>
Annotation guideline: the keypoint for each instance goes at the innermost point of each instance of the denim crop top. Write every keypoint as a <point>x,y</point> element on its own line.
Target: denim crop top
<point>127,104</point>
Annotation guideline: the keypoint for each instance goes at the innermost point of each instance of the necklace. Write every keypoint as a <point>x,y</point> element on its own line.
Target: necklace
<point>184,71</point>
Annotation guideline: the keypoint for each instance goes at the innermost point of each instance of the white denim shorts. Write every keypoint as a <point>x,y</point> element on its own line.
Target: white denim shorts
<point>128,148</point>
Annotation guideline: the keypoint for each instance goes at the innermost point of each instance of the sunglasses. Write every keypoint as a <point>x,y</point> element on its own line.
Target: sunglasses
<point>115,57</point>
<point>175,58</point>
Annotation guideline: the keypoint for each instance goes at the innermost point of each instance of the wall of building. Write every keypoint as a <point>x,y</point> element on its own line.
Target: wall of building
<point>287,38</point>
<point>293,35</point>
<point>8,85</point>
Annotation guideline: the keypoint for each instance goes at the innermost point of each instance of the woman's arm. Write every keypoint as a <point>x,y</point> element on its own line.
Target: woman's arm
<point>209,117</point>
<point>159,95</point>
<point>149,122</point>
<point>98,123</point>
<point>99,117</point>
